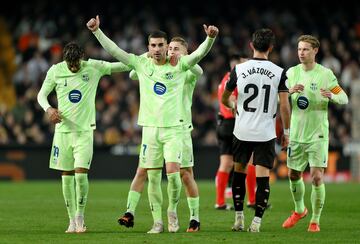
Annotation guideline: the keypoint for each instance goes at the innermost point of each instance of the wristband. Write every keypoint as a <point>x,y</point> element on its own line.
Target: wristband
<point>286,132</point>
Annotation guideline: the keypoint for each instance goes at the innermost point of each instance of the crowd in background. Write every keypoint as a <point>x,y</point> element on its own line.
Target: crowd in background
<point>32,41</point>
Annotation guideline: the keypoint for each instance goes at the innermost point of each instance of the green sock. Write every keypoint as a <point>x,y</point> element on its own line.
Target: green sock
<point>174,190</point>
<point>297,188</point>
<point>82,188</point>
<point>68,187</point>
<point>193,203</point>
<point>132,201</point>
<point>155,194</point>
<point>317,202</point>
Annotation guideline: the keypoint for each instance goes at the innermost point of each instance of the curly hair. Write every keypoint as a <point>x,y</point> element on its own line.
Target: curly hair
<point>73,53</point>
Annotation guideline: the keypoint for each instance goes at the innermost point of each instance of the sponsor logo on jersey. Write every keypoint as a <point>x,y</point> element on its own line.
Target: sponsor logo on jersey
<point>159,88</point>
<point>75,96</point>
<point>85,77</point>
<point>303,102</point>
<point>169,75</point>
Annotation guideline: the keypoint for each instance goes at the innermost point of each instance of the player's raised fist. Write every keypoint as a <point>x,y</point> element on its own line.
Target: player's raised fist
<point>93,24</point>
<point>211,30</point>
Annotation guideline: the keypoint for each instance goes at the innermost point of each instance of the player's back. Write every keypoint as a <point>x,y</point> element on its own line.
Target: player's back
<point>258,84</point>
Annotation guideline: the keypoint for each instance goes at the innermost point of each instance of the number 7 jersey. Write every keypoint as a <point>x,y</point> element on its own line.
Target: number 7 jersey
<point>258,82</point>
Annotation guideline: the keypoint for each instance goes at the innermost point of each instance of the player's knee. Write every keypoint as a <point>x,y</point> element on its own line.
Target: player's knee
<point>317,179</point>
<point>141,173</point>
<point>294,175</point>
<point>81,170</point>
<point>172,168</point>
<point>72,172</point>
<point>186,177</point>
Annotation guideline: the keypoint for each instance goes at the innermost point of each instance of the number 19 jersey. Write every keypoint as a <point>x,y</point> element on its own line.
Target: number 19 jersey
<point>258,82</point>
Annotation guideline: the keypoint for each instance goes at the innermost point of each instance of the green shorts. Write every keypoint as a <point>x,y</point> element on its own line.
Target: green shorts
<point>160,144</point>
<point>72,150</point>
<point>299,155</point>
<point>187,154</point>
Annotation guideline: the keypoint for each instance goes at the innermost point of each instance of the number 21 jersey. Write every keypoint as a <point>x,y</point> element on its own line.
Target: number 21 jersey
<point>258,82</point>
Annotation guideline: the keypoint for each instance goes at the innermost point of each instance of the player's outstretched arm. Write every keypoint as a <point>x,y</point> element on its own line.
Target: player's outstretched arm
<point>115,51</point>
<point>133,75</point>
<point>197,70</point>
<point>117,67</point>
<point>211,32</point>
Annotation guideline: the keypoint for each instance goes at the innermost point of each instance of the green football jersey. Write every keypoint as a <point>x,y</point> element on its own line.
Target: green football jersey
<point>76,93</point>
<point>309,116</point>
<point>189,87</point>
<point>161,91</point>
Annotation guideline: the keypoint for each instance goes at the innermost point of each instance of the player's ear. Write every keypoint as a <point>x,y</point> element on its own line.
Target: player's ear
<point>251,46</point>
<point>271,48</point>
<point>316,49</point>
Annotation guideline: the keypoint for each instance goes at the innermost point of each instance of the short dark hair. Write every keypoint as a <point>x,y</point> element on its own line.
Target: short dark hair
<point>72,53</point>
<point>158,34</point>
<point>262,39</point>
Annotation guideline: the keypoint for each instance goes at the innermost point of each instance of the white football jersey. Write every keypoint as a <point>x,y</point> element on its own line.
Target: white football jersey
<point>258,82</point>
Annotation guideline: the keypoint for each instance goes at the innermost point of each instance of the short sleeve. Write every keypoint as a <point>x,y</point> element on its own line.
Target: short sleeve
<point>232,83</point>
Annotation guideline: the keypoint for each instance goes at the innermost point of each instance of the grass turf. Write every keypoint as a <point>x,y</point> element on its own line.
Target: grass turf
<point>34,212</point>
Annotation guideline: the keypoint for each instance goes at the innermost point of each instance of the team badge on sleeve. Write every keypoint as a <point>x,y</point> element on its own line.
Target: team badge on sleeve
<point>159,88</point>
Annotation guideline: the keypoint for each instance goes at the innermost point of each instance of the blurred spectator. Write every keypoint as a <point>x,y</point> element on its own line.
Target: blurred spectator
<point>7,68</point>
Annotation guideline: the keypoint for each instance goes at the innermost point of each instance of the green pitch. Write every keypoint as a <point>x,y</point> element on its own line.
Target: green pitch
<point>34,212</point>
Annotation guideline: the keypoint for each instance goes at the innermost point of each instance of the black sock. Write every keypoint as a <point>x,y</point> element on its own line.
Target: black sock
<point>238,190</point>
<point>262,195</point>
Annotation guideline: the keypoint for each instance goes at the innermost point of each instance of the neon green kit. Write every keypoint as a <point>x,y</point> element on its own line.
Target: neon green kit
<point>73,139</point>
<point>309,117</point>
<point>309,128</point>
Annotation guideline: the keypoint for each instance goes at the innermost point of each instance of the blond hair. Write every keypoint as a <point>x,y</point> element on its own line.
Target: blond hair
<point>310,39</point>
<point>180,40</point>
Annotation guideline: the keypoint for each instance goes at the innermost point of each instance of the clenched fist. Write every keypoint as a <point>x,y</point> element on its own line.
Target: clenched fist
<point>93,24</point>
<point>211,30</point>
